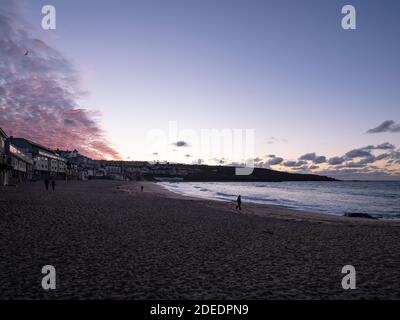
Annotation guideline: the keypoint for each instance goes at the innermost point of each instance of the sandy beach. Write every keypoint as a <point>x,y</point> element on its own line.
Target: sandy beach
<point>108,240</point>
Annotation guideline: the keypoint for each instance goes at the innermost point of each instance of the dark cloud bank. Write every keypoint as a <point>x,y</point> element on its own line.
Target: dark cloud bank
<point>354,164</point>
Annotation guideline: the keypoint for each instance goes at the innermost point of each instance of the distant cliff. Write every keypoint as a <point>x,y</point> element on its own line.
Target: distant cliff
<point>223,173</point>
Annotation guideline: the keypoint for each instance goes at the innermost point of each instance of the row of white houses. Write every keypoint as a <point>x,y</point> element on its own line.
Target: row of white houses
<point>22,159</point>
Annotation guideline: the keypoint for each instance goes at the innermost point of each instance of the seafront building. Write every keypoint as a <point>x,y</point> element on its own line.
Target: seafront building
<point>15,165</point>
<point>3,160</point>
<point>81,167</point>
<point>22,159</point>
<point>46,163</point>
<point>126,170</point>
<point>20,165</point>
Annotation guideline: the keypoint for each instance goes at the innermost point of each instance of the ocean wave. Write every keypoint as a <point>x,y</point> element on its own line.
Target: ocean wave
<point>221,194</point>
<point>378,199</point>
<point>258,199</point>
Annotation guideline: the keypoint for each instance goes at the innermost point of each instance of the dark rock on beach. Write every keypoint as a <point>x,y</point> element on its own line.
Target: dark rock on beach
<point>360,215</point>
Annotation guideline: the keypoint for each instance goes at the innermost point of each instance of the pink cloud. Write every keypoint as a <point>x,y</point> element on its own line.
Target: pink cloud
<point>39,93</point>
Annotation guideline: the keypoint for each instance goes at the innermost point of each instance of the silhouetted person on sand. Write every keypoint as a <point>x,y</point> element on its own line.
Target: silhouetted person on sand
<point>53,185</point>
<point>239,202</point>
<point>46,183</point>
<point>141,188</point>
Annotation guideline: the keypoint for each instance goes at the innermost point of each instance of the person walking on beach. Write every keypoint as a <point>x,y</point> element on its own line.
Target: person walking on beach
<point>239,202</point>
<point>46,183</point>
<point>141,188</point>
<point>53,185</point>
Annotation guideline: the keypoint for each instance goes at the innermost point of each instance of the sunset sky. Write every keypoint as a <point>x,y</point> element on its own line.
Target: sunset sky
<point>319,98</point>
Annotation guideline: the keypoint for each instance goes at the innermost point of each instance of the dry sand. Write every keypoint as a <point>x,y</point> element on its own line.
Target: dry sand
<point>109,240</point>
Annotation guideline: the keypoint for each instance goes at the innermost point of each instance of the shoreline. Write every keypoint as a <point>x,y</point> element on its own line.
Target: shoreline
<point>272,211</point>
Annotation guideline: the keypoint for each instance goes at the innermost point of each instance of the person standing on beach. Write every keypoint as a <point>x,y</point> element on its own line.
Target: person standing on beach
<point>141,188</point>
<point>239,202</point>
<point>46,183</point>
<point>53,185</point>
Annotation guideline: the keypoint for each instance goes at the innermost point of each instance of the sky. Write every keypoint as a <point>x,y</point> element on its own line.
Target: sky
<point>318,98</point>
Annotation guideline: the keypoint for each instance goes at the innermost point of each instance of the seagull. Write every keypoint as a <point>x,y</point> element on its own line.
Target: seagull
<point>26,53</point>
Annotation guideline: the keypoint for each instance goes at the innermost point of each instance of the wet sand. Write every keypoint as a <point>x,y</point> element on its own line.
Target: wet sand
<point>108,240</point>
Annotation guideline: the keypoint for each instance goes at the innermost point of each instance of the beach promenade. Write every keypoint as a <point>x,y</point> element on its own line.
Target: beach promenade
<point>109,240</point>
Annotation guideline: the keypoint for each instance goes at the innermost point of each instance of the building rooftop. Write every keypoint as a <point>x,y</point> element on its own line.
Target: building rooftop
<point>2,133</point>
<point>28,144</point>
<point>15,152</point>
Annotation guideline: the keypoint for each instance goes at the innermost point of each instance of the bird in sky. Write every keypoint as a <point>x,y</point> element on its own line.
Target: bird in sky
<point>27,52</point>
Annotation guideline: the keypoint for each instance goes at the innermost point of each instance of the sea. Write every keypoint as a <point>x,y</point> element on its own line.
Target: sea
<point>379,199</point>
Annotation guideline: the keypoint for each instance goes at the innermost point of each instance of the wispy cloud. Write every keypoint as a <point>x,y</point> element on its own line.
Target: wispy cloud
<point>313,157</point>
<point>358,153</point>
<point>361,161</point>
<point>336,160</point>
<point>273,160</point>
<point>181,144</point>
<point>386,126</point>
<point>39,92</point>
<point>291,163</point>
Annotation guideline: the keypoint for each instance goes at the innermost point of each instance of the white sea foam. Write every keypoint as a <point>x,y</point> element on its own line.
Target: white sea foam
<point>380,199</point>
